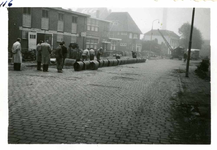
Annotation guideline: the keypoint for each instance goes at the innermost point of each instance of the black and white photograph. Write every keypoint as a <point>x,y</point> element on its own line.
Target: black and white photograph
<point>108,75</point>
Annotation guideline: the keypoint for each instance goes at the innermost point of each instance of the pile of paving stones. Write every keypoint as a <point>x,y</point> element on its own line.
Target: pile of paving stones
<point>94,65</point>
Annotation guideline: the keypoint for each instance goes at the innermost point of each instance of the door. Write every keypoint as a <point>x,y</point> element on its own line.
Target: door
<point>32,36</point>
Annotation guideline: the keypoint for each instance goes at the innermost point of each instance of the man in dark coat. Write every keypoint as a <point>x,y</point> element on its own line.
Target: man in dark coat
<point>38,56</point>
<point>64,51</point>
<point>45,52</point>
<point>59,58</point>
<point>99,53</point>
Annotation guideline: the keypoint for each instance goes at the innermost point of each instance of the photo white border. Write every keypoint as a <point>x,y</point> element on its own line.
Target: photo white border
<point>100,3</point>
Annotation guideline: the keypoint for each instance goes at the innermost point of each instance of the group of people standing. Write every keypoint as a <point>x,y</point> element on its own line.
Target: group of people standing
<point>44,51</point>
<point>90,53</point>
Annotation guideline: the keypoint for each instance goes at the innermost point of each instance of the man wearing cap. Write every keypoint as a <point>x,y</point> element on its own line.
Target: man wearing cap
<point>45,52</point>
<point>17,55</point>
<point>64,51</point>
<point>38,55</point>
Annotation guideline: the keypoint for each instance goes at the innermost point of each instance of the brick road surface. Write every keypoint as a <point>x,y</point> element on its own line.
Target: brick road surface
<point>122,104</point>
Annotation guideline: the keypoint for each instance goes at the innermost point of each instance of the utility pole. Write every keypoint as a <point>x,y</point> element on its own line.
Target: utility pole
<point>189,47</point>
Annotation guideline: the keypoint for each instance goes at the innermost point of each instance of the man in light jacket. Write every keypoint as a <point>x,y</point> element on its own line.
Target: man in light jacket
<point>92,54</point>
<point>85,54</point>
<point>17,55</point>
<point>45,52</point>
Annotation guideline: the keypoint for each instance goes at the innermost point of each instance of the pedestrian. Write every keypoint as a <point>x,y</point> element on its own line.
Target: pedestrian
<point>78,53</point>
<point>92,54</point>
<point>17,54</point>
<point>38,55</point>
<point>59,57</point>
<point>85,54</point>
<point>185,57</point>
<point>134,55</point>
<point>99,53</point>
<point>64,51</point>
<point>45,53</point>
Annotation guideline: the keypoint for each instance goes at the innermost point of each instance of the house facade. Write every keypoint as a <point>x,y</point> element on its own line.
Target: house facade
<point>97,34</point>
<point>171,37</point>
<point>47,24</point>
<point>124,33</point>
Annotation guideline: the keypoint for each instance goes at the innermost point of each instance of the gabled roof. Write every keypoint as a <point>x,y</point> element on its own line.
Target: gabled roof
<point>122,21</point>
<point>164,32</point>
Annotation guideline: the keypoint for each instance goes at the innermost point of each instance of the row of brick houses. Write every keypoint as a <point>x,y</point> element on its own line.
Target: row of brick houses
<point>117,31</point>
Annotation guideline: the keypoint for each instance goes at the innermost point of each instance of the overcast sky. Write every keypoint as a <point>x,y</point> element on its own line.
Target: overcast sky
<point>175,18</point>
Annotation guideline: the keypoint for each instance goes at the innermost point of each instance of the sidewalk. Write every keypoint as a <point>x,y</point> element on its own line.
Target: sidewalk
<point>193,109</point>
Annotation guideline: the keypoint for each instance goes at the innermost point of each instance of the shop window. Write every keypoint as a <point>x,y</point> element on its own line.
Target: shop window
<point>24,34</point>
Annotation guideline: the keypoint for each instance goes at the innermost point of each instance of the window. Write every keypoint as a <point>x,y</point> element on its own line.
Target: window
<point>88,21</point>
<point>73,39</point>
<point>96,28</point>
<point>91,43</point>
<point>26,17</point>
<point>32,36</point>
<point>130,35</point>
<point>123,44</point>
<point>74,19</point>
<point>60,17</point>
<point>59,37</point>
<point>24,34</point>
<point>88,28</point>
<point>74,28</point>
<point>60,22</point>
<point>44,20</point>
<point>27,11</point>
<point>45,13</point>
<point>135,36</point>
<point>92,28</point>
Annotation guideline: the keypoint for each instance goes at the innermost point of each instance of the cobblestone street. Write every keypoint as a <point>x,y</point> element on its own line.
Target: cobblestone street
<point>124,104</point>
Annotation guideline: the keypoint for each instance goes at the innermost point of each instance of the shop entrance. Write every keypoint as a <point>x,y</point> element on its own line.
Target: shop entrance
<point>45,37</point>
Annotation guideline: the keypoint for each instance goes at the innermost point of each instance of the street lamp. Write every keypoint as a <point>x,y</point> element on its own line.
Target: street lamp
<point>152,30</point>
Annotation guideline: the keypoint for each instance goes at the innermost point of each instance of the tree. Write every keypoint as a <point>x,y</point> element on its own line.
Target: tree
<point>197,39</point>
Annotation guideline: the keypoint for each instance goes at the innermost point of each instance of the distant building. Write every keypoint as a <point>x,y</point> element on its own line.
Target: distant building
<point>171,37</point>
<point>52,24</point>
<point>124,33</point>
<point>100,13</point>
<point>97,34</point>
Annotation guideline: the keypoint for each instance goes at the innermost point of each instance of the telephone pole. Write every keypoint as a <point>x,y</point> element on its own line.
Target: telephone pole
<point>189,46</point>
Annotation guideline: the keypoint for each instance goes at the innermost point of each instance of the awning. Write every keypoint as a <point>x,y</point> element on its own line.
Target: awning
<point>115,39</point>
